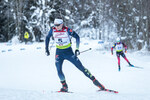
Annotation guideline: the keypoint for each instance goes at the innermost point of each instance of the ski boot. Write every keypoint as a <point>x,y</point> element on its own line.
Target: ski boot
<point>119,68</point>
<point>131,65</point>
<point>64,86</point>
<point>96,82</point>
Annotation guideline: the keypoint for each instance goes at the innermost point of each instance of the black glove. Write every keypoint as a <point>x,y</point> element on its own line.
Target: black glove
<point>47,52</point>
<point>77,52</point>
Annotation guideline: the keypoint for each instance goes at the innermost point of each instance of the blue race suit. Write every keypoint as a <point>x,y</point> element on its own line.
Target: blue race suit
<point>64,50</point>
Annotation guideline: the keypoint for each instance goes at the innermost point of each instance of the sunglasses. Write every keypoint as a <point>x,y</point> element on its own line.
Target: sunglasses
<point>57,24</point>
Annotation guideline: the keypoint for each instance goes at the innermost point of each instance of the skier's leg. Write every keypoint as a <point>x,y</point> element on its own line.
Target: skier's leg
<point>58,63</point>
<point>73,59</point>
<point>118,57</point>
<point>123,55</point>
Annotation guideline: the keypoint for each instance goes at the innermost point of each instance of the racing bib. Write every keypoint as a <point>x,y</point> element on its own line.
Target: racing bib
<point>62,39</point>
<point>119,47</point>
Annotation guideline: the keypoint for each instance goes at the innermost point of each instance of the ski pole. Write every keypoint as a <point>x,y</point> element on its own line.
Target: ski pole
<point>86,50</point>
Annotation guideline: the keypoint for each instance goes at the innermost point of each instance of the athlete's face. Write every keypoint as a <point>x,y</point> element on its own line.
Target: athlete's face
<point>59,26</point>
<point>118,42</point>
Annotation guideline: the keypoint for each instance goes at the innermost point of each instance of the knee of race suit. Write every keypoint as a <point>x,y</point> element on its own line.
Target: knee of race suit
<point>56,59</point>
<point>123,56</point>
<point>87,73</point>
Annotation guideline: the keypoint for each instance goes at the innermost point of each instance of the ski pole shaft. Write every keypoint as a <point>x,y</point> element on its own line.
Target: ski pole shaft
<point>86,50</point>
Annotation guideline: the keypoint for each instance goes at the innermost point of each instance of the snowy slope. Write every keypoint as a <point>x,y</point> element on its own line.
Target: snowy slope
<point>27,74</point>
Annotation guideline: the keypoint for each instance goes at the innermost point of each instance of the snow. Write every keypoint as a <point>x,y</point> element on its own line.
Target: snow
<point>137,18</point>
<point>145,17</point>
<point>15,40</point>
<point>84,22</point>
<point>26,73</point>
<point>67,11</point>
<point>67,17</point>
<point>140,40</point>
<point>32,8</point>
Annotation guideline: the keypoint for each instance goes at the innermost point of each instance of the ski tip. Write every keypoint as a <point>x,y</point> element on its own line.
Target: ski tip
<point>108,90</point>
<point>116,92</point>
<point>111,91</point>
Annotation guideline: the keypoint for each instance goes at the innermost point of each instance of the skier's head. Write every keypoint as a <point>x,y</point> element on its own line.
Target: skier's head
<point>118,40</point>
<point>58,23</point>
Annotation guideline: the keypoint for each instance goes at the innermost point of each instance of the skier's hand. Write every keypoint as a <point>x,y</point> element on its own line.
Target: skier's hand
<point>47,52</point>
<point>125,50</point>
<point>111,53</point>
<point>77,52</point>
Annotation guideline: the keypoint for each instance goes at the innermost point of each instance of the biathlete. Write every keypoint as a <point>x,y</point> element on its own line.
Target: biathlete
<point>62,36</point>
<point>119,51</point>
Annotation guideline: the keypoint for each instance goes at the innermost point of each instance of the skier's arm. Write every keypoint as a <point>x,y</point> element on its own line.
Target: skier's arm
<point>76,36</point>
<point>112,48</point>
<point>47,40</point>
<point>125,46</point>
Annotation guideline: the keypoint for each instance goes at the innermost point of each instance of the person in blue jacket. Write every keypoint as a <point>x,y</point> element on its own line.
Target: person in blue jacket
<point>62,37</point>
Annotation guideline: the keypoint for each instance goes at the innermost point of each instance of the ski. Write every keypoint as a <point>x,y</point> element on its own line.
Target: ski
<point>136,67</point>
<point>108,90</point>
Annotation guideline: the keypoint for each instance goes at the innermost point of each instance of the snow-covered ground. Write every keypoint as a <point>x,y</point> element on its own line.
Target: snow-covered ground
<point>26,73</point>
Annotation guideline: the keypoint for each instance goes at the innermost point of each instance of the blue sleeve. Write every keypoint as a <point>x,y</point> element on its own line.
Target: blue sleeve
<point>76,36</point>
<point>47,40</point>
<point>114,45</point>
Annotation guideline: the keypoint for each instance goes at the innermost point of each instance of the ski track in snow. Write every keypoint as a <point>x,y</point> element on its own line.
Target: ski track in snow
<point>28,74</point>
<point>10,94</point>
